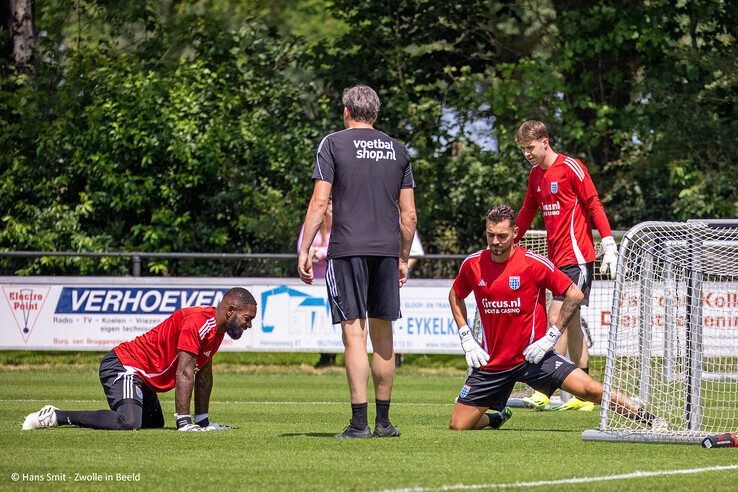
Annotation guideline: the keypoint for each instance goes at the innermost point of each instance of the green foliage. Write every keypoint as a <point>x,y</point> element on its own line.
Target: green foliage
<point>191,126</point>
<point>204,155</point>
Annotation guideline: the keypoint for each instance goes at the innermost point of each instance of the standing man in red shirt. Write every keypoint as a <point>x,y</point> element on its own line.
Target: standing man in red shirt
<point>561,187</point>
<point>509,285</point>
<point>175,354</point>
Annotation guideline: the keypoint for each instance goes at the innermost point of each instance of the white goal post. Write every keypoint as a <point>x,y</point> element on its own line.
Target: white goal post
<point>673,340</point>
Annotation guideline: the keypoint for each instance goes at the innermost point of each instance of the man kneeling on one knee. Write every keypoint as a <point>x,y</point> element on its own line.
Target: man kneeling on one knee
<point>509,284</point>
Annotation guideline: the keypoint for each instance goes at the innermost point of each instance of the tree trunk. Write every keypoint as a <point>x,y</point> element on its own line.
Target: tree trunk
<point>22,35</point>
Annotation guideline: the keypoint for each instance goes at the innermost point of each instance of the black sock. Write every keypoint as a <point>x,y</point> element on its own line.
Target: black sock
<point>358,416</point>
<point>383,412</point>
<point>643,415</point>
<point>126,417</point>
<point>585,369</point>
<point>94,419</point>
<point>496,419</point>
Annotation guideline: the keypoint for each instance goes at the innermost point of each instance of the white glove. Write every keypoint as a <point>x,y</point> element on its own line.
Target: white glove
<point>536,350</point>
<point>475,355</point>
<point>610,259</point>
<point>191,428</point>
<point>212,426</point>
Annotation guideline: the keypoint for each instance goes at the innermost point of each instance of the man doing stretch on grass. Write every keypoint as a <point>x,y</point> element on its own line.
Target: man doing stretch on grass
<point>177,354</point>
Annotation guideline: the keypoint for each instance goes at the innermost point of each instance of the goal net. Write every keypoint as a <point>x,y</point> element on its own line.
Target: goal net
<point>673,336</point>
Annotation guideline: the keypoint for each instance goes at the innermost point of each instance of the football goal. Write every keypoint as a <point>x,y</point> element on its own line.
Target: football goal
<point>673,336</point>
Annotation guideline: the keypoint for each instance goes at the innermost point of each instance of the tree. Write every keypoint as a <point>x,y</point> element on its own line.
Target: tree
<point>19,24</point>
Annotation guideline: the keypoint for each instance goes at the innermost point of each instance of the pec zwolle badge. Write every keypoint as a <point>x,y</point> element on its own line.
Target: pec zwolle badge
<point>554,187</point>
<point>464,391</point>
<point>514,282</point>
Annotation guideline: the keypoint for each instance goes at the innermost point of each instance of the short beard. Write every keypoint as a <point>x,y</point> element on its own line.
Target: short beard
<point>502,250</point>
<point>233,329</point>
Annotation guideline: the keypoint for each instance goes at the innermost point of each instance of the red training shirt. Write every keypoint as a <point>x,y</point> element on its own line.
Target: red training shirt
<point>568,199</point>
<point>511,298</point>
<point>153,355</point>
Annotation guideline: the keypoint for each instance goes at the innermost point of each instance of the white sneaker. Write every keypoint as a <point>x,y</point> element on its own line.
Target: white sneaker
<point>46,417</point>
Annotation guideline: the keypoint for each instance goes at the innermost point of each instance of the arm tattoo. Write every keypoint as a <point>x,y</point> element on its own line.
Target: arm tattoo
<point>569,306</point>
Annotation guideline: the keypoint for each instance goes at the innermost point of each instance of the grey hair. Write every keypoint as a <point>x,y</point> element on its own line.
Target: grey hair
<point>362,103</point>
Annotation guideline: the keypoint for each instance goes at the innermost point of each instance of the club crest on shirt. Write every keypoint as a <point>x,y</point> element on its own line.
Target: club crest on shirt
<point>464,391</point>
<point>514,282</point>
<point>554,187</point>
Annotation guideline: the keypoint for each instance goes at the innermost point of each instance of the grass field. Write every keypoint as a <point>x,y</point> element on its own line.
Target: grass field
<point>284,417</point>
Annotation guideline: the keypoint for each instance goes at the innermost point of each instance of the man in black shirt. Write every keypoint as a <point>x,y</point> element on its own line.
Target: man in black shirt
<point>371,180</point>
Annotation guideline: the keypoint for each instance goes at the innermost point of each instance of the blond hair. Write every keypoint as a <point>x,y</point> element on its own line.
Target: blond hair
<point>531,130</point>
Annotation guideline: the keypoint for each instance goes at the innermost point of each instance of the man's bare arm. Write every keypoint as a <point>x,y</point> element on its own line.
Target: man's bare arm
<point>572,299</point>
<point>185,381</point>
<point>408,222</point>
<point>315,213</point>
<point>458,308</point>
<point>203,388</point>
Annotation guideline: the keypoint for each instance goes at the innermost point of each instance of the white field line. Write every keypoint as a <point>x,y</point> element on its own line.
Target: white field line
<point>573,480</point>
<point>229,402</point>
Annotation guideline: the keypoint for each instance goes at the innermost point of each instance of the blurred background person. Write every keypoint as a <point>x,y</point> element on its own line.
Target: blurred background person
<point>318,252</point>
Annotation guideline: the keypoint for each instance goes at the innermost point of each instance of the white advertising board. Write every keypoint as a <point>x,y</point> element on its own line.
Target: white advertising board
<point>97,313</point>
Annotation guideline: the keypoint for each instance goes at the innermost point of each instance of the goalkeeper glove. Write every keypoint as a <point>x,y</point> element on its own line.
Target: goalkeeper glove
<point>475,355</point>
<point>536,350</point>
<point>610,259</point>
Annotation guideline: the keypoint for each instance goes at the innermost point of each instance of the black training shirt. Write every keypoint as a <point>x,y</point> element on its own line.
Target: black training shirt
<point>367,169</point>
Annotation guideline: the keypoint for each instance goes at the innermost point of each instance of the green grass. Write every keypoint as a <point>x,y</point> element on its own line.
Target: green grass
<point>289,445</point>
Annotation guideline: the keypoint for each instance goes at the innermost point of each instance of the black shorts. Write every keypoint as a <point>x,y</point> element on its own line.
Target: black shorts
<point>582,276</point>
<point>124,387</point>
<point>493,388</point>
<point>363,287</point>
